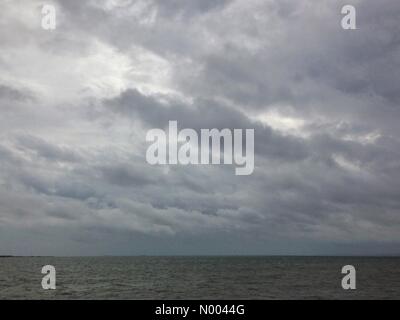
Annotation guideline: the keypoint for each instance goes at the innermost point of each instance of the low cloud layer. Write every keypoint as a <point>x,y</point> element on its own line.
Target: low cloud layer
<point>76,103</point>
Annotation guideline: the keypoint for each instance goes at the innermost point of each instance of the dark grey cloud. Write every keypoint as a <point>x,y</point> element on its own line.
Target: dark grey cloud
<point>48,151</point>
<point>10,93</point>
<point>77,102</point>
<point>206,114</point>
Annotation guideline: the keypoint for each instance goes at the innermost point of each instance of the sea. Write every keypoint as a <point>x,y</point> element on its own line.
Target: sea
<point>200,277</point>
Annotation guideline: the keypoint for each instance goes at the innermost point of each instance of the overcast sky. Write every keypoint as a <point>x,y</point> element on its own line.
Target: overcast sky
<point>76,104</point>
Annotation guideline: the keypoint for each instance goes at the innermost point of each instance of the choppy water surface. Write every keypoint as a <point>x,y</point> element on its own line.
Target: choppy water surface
<point>200,278</point>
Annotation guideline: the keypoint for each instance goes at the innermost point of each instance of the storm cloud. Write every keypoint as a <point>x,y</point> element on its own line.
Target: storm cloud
<point>76,104</point>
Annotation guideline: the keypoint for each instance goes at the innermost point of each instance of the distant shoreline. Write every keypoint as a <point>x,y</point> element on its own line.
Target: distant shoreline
<point>11,256</point>
<point>210,256</point>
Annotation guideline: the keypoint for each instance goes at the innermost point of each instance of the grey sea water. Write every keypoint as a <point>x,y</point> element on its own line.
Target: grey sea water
<point>200,278</point>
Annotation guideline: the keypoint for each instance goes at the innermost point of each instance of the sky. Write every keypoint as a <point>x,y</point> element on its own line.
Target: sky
<point>76,104</point>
